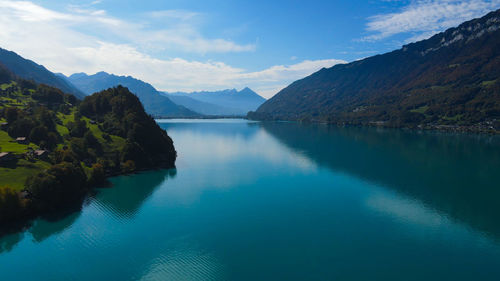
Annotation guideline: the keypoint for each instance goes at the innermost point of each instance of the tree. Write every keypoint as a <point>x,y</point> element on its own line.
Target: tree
<point>21,127</point>
<point>11,205</point>
<point>48,94</point>
<point>132,151</point>
<point>38,134</point>
<point>78,128</point>
<point>59,186</point>
<point>97,174</point>
<point>92,142</point>
<point>128,166</point>
<point>11,114</point>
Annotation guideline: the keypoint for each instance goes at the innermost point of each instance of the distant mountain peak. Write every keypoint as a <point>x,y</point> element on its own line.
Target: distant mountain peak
<point>223,102</point>
<point>78,75</point>
<point>247,90</point>
<point>104,73</point>
<point>153,101</point>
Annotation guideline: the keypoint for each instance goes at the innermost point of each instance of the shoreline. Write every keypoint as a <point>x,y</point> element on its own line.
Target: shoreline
<point>23,223</point>
<point>472,129</point>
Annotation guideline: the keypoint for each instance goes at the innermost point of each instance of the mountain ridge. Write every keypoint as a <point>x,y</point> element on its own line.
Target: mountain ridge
<point>451,79</point>
<point>223,102</point>
<point>154,103</point>
<point>30,70</point>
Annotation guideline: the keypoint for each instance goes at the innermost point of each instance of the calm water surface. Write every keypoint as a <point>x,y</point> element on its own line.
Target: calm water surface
<point>283,201</point>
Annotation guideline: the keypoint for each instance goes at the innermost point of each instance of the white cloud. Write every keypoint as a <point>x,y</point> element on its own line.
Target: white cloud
<point>175,14</point>
<point>182,75</point>
<point>423,18</point>
<point>179,34</point>
<point>66,42</point>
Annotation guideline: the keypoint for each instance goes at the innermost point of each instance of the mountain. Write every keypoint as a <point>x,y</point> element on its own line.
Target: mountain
<point>450,79</point>
<point>226,102</point>
<point>154,102</point>
<point>29,70</point>
<point>198,106</point>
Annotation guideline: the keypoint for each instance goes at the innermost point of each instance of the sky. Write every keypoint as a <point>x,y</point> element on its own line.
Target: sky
<point>185,45</point>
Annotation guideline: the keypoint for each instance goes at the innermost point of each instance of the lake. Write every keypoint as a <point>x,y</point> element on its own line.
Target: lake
<point>283,201</point>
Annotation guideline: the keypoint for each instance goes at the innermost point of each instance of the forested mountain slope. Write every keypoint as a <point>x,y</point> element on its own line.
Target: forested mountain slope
<point>453,78</point>
<point>30,70</point>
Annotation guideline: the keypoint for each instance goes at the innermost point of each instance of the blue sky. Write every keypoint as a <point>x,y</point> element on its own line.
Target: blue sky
<point>208,45</point>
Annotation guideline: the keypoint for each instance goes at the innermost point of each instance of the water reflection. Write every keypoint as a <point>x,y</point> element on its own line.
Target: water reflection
<point>122,202</point>
<point>44,228</point>
<point>282,201</point>
<point>8,242</point>
<point>125,201</point>
<point>454,174</point>
<point>230,128</point>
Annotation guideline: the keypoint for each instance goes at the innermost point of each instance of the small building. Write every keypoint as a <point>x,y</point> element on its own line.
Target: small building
<point>4,125</point>
<point>41,154</point>
<point>24,194</point>
<point>22,140</point>
<point>6,156</point>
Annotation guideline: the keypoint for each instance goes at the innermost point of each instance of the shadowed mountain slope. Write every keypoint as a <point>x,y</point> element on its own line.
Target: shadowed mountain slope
<point>453,78</point>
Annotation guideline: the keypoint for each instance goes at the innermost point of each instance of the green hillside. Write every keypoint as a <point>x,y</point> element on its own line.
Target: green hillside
<point>451,80</point>
<point>55,148</point>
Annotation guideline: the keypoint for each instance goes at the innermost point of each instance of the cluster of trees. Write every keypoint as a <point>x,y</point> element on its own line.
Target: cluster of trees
<point>12,206</point>
<point>83,160</point>
<point>37,120</point>
<point>37,123</point>
<point>61,185</point>
<point>121,113</point>
<point>5,75</point>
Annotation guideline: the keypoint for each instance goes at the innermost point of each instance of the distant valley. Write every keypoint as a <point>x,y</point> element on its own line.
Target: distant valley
<point>226,102</point>
<point>162,104</point>
<point>154,103</point>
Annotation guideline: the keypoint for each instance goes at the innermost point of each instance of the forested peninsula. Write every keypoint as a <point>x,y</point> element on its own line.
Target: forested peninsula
<point>54,148</point>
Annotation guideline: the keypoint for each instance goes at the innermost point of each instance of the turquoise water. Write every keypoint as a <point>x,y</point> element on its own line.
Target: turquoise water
<point>283,201</point>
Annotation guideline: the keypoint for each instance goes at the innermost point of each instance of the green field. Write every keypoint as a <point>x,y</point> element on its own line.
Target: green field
<point>8,144</point>
<point>421,109</point>
<point>487,84</point>
<point>117,142</point>
<point>15,177</point>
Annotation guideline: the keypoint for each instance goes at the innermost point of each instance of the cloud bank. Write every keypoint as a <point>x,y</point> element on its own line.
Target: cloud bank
<point>85,39</point>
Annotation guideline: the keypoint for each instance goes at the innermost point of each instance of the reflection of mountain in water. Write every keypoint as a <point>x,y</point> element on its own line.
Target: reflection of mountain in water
<point>8,242</point>
<point>455,174</point>
<point>124,200</point>
<point>44,228</point>
<point>229,129</point>
<point>130,192</point>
